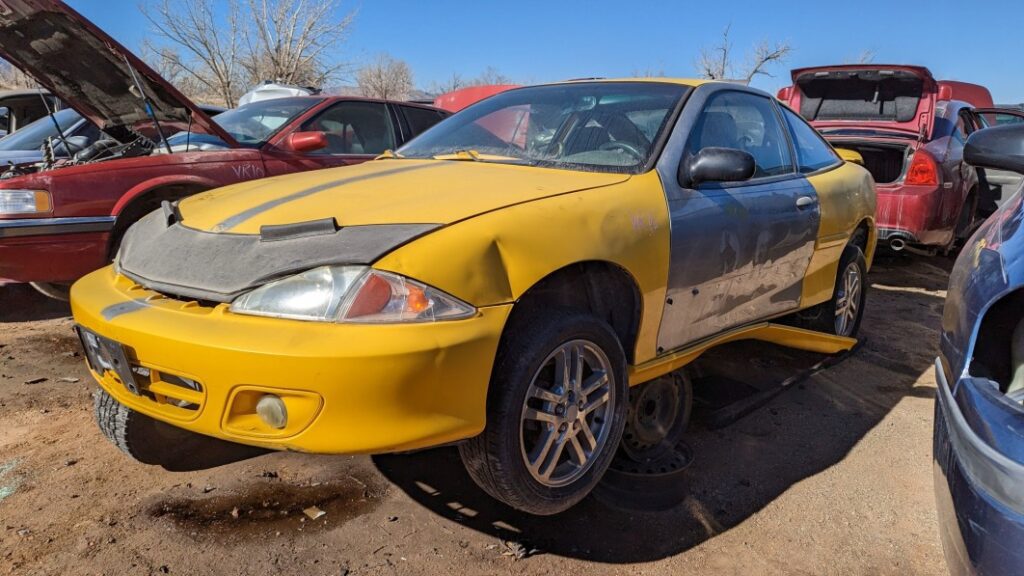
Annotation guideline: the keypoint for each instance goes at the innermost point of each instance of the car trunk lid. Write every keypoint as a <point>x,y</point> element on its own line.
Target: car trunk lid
<point>890,98</point>
<point>92,72</point>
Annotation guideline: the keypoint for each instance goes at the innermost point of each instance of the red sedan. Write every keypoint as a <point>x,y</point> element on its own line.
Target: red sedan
<point>910,130</point>
<point>62,219</point>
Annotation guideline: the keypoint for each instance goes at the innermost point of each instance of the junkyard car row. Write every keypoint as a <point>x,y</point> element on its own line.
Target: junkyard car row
<point>348,276</point>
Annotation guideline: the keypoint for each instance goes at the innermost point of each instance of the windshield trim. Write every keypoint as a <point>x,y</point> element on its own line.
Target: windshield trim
<point>657,146</point>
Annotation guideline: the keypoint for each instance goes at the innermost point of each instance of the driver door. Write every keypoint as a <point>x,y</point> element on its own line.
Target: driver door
<point>356,131</point>
<point>739,250</point>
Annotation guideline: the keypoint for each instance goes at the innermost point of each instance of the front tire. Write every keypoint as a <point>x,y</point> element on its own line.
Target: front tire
<point>555,412</point>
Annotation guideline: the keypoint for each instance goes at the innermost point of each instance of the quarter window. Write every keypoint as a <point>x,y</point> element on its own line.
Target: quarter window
<point>744,122</point>
<point>354,128</point>
<point>812,152</point>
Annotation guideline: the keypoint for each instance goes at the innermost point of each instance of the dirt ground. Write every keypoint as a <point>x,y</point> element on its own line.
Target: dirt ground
<point>833,476</point>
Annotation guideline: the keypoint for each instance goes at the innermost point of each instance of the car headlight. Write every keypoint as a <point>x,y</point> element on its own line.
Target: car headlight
<point>24,202</point>
<point>356,294</point>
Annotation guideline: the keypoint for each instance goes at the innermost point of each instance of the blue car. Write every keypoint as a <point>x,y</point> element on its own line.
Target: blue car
<point>979,412</point>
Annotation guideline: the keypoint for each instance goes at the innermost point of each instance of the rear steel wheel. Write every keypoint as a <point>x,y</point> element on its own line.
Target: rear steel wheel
<point>657,417</point>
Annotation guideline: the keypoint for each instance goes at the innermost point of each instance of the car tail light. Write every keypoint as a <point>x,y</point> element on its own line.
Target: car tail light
<point>924,171</point>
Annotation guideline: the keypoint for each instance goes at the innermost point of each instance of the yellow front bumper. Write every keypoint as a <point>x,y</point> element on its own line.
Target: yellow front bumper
<point>348,388</point>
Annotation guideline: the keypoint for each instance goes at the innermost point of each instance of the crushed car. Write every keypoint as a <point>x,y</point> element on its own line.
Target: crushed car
<point>910,129</point>
<point>65,216</point>
<point>499,282</point>
<point>979,412</point>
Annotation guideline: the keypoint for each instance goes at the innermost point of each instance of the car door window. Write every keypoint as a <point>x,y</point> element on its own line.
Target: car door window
<point>745,122</point>
<point>812,152</point>
<point>354,128</point>
<point>420,119</point>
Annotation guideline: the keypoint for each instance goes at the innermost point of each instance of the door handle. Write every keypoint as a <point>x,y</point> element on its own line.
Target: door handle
<point>804,202</point>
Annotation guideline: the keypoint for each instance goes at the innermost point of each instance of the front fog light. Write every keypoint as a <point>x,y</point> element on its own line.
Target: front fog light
<point>272,411</point>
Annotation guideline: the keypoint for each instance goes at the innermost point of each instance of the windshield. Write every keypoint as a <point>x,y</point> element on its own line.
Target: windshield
<point>253,124</point>
<point>605,126</point>
<point>32,136</point>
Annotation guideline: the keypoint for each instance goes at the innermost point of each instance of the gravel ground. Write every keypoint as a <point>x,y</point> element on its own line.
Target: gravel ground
<point>831,477</point>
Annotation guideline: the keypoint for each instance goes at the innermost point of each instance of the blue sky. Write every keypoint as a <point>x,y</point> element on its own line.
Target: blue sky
<point>534,41</point>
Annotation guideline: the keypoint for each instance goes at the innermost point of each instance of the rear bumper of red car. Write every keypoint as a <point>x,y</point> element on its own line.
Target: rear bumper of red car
<point>924,215</point>
<point>53,249</point>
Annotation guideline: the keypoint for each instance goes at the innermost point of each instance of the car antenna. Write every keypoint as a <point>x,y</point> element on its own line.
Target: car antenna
<point>60,133</point>
<point>148,105</point>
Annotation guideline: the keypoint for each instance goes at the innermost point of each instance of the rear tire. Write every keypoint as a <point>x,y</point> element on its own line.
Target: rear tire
<point>841,315</point>
<point>557,391</point>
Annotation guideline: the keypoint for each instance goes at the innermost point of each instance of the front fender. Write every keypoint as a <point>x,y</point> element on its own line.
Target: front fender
<point>496,257</point>
<point>146,186</point>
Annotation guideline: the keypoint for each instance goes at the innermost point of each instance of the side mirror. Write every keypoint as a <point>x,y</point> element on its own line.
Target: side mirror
<point>851,156</point>
<point>305,141</point>
<point>716,165</point>
<point>999,147</point>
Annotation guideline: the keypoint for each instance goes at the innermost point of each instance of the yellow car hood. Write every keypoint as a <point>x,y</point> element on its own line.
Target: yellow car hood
<point>396,191</point>
<point>218,245</point>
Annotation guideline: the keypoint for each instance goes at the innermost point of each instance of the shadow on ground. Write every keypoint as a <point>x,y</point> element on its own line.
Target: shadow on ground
<point>21,303</point>
<point>739,469</point>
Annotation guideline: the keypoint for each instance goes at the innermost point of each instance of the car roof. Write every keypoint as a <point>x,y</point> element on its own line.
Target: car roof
<point>691,82</point>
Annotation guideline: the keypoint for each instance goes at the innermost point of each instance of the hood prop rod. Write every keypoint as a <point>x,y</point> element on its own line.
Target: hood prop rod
<point>148,105</point>
<point>60,133</point>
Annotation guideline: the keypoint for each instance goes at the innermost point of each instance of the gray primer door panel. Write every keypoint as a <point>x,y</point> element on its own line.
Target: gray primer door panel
<point>739,252</point>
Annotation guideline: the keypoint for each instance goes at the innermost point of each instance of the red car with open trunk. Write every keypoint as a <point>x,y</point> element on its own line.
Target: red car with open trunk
<point>910,130</point>
<point>61,219</point>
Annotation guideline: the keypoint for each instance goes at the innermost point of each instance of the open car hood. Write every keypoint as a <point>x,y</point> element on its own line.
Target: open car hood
<point>92,72</point>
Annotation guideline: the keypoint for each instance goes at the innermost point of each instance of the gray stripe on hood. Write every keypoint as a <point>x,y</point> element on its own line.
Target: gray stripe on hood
<point>271,204</point>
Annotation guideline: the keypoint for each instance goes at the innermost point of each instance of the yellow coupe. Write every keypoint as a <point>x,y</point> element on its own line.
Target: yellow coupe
<point>499,282</point>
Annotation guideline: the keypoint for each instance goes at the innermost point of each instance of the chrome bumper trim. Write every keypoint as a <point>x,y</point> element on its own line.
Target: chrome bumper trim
<point>45,226</point>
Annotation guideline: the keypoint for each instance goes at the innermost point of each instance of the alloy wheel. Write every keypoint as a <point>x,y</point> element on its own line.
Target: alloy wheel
<point>848,300</point>
<point>566,416</point>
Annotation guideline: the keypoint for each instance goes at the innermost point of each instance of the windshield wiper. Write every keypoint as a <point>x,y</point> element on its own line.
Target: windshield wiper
<point>389,154</point>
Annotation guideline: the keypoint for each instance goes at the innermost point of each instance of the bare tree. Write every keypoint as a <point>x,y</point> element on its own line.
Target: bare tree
<point>227,45</point>
<point>290,41</point>
<point>489,77</point>
<point>212,44</point>
<point>12,77</point>
<point>716,62</point>
<point>385,78</point>
<point>453,83</point>
<point>167,63</point>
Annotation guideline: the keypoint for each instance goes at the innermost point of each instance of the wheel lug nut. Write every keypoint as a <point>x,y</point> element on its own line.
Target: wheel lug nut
<point>560,409</point>
<point>562,428</point>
